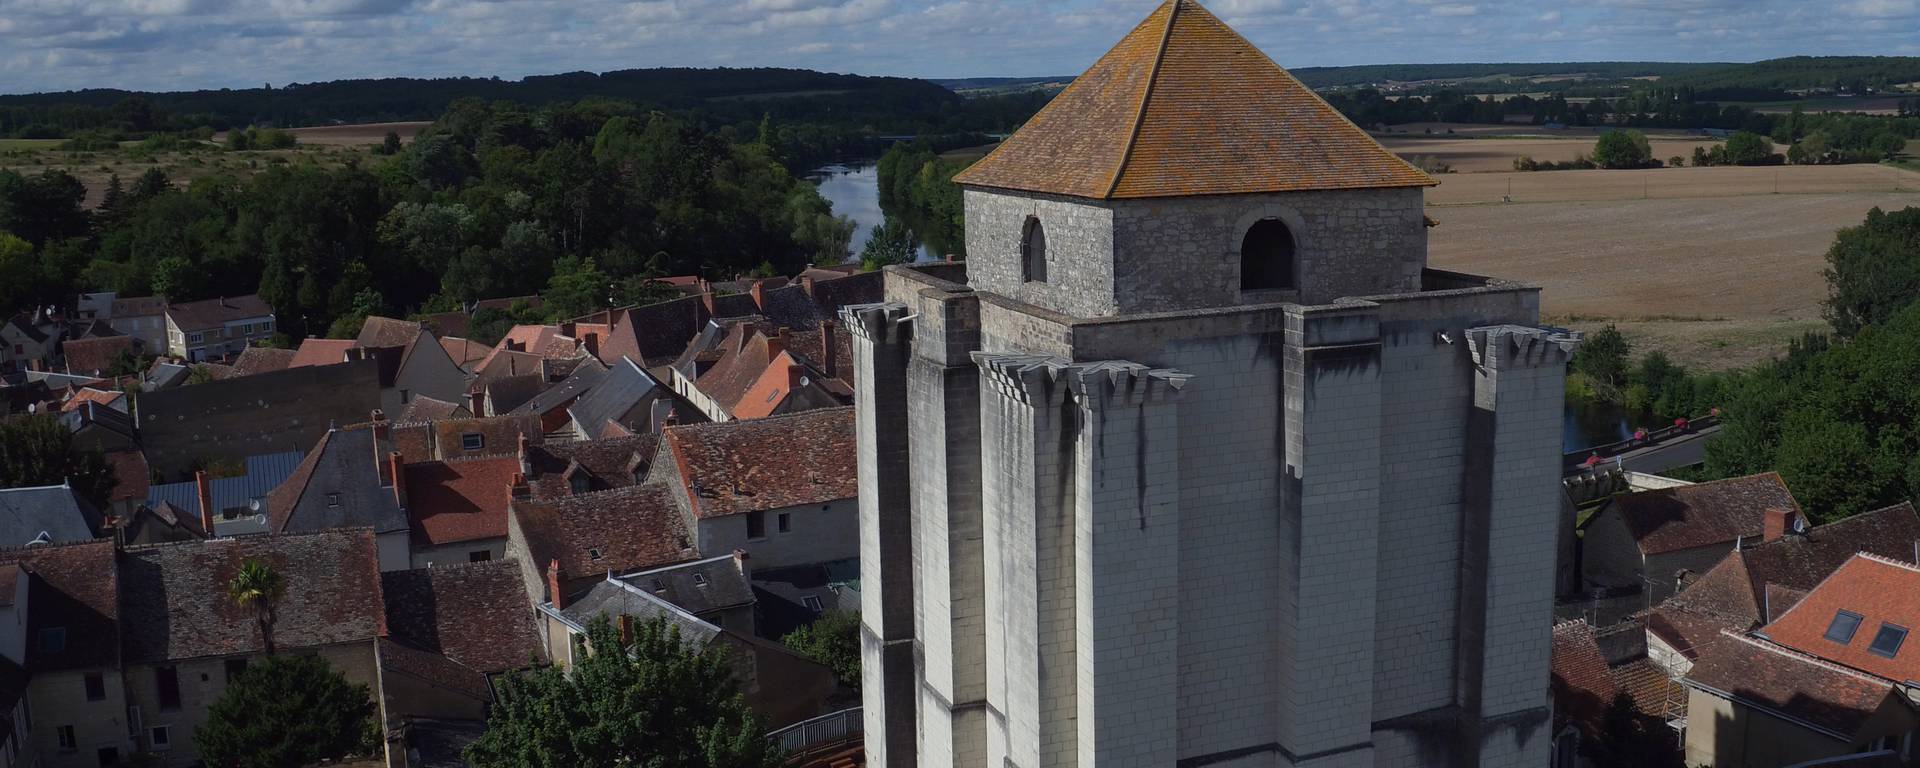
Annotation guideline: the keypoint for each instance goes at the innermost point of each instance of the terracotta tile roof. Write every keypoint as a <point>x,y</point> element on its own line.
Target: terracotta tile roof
<point>446,324</point>
<point>320,352</point>
<point>476,614</point>
<point>459,500</point>
<point>1879,593</point>
<point>464,353</point>
<point>434,668</point>
<point>81,398</point>
<point>606,464</point>
<point>75,591</point>
<point>540,341</point>
<point>1652,689</point>
<point>1703,514</point>
<point>131,473</point>
<point>92,357</point>
<point>254,360</point>
<point>622,530</point>
<point>423,408</point>
<point>380,331</point>
<point>498,435</point>
<point>214,313</point>
<point>744,355</point>
<point>1750,587</point>
<point>734,467</point>
<point>1184,105</point>
<point>1582,686</point>
<point>1766,675</point>
<point>175,606</point>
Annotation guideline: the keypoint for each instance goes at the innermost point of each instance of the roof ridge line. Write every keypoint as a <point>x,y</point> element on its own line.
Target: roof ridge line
<point>1767,644</point>
<point>1884,560</point>
<point>1146,96</point>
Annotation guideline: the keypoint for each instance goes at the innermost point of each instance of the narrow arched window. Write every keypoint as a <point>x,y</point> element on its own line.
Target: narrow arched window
<point>1033,252</point>
<point>1266,256</point>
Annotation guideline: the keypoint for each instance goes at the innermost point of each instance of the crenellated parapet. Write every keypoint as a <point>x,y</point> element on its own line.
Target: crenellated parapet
<point>1520,346</point>
<point>1032,379</point>
<point>882,323</point>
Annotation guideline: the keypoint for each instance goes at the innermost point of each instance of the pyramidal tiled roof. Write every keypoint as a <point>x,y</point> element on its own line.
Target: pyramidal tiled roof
<point>1184,105</point>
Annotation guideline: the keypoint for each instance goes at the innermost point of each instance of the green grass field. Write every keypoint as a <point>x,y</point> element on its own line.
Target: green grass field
<point>9,145</point>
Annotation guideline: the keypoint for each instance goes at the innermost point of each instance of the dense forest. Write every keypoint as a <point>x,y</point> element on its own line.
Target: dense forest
<point>818,114</point>
<point>579,201</point>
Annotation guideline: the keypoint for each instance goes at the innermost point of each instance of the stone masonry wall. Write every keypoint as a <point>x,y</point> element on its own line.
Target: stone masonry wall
<point>1184,253</point>
<point>1079,250</point>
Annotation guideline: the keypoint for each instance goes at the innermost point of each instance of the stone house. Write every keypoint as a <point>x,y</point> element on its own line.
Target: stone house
<point>782,489</point>
<point>458,509</point>
<point>778,683</point>
<point>413,363</point>
<point>628,401</point>
<point>215,328</point>
<point>185,640</point>
<point>25,343</point>
<point>142,317</point>
<point>1643,544</point>
<point>451,629</point>
<point>1194,461</point>
<point>571,468</point>
<point>77,704</point>
<point>1752,586</point>
<point>552,403</point>
<point>352,479</point>
<point>716,590</point>
<point>1827,677</point>
<point>566,545</point>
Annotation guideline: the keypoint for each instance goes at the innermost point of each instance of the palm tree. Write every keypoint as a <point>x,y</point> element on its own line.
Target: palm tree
<point>259,585</point>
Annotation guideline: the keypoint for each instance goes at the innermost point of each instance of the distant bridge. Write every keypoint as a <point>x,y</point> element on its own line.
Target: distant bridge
<point>1661,450</point>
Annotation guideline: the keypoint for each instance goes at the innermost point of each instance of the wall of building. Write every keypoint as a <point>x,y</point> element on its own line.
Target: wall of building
<point>1115,257</point>
<point>429,372</point>
<point>266,413</point>
<point>202,681</point>
<point>1664,569</point>
<point>60,699</point>
<point>151,330</point>
<point>1725,732</point>
<point>818,533</point>
<point>458,552</point>
<point>1609,557</point>
<point>395,552</point>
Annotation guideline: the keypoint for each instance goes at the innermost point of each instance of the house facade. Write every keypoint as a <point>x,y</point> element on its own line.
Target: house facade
<point>1194,461</point>
<point>144,318</point>
<point>781,489</point>
<point>215,328</point>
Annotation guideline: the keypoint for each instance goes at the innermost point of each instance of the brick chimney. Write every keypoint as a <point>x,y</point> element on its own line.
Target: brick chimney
<point>777,343</point>
<point>519,487</point>
<point>828,346</point>
<point>1776,523</point>
<point>806,284</point>
<point>381,429</point>
<point>626,630</point>
<point>553,586</point>
<point>396,468</point>
<point>759,295</point>
<point>477,402</point>
<point>526,465</point>
<point>203,489</point>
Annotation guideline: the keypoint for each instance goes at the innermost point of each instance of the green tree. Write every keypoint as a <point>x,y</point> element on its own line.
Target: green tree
<point>1604,358</point>
<point>391,144</point>
<point>348,323</point>
<point>1622,149</point>
<point>287,712</point>
<point>38,450</point>
<point>1873,270</point>
<point>1745,148</point>
<point>258,586</point>
<point>19,272</point>
<point>890,243</point>
<point>661,701</point>
<point>577,288</point>
<point>833,640</point>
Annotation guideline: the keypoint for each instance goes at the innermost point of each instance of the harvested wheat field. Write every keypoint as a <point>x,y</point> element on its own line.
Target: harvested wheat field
<point>1469,155</point>
<point>1711,268</point>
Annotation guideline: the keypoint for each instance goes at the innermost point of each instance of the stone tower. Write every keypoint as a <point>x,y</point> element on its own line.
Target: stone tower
<point>1194,462</point>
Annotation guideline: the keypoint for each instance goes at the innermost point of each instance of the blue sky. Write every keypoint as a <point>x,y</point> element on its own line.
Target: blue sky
<point>180,44</point>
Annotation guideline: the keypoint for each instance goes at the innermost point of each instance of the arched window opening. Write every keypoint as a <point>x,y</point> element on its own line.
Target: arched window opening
<point>1033,252</point>
<point>1266,256</point>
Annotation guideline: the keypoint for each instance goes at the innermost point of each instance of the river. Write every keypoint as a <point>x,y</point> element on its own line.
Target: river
<point>853,187</point>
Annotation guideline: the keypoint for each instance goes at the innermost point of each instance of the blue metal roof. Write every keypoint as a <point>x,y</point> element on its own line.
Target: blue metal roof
<point>264,473</point>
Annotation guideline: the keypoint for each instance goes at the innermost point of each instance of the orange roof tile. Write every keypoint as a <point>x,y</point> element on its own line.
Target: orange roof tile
<point>1877,592</point>
<point>1184,105</point>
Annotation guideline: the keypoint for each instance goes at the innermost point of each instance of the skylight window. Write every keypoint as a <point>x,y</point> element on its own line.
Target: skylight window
<point>1845,623</point>
<point>593,553</point>
<point>1887,641</point>
<point>699,579</point>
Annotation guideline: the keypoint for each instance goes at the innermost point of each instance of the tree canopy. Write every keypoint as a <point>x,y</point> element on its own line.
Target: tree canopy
<point>1873,270</point>
<point>660,701</point>
<point>39,450</point>
<point>288,711</point>
<point>833,640</point>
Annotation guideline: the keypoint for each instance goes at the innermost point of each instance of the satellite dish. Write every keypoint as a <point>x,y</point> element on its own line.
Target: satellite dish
<point>254,505</point>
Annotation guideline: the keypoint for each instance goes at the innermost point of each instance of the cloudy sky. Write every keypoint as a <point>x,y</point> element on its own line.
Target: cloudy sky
<point>183,44</point>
